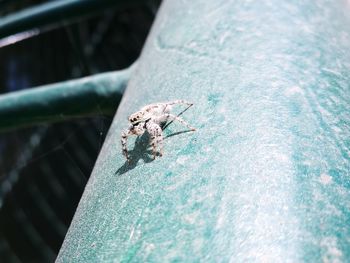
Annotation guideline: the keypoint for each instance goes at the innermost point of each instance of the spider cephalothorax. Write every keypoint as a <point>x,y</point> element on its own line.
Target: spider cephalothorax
<point>149,119</point>
<point>138,117</point>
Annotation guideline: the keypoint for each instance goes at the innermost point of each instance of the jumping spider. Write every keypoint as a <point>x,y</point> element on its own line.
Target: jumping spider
<point>150,118</point>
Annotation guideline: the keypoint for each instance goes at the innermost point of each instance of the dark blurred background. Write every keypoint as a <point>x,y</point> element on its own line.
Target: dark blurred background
<point>44,169</point>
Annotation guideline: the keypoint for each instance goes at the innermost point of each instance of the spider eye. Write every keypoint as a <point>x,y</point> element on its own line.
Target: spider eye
<point>134,119</point>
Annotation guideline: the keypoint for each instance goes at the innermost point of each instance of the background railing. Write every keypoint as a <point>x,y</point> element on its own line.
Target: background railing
<point>45,164</point>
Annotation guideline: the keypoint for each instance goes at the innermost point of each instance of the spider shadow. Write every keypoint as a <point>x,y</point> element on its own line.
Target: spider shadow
<point>142,151</point>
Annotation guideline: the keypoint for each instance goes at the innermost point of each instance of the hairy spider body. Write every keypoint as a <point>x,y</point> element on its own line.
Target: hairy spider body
<point>150,118</point>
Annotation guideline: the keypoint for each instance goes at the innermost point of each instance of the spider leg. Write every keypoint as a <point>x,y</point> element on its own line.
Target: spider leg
<point>170,103</point>
<point>156,137</point>
<point>173,117</point>
<point>124,139</point>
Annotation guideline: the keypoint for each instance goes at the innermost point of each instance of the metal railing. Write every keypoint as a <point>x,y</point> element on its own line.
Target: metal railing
<point>265,176</point>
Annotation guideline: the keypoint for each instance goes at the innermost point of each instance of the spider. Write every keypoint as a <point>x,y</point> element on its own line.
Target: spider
<point>151,118</point>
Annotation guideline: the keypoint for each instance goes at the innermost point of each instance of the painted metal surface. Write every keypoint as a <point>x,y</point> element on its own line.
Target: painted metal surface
<point>266,176</point>
<point>95,95</point>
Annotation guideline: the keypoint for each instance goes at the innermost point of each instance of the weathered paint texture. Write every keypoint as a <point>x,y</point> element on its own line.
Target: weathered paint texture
<point>266,176</point>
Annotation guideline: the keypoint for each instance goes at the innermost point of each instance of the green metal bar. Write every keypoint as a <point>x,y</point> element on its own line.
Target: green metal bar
<point>89,96</point>
<point>265,178</point>
<point>54,12</point>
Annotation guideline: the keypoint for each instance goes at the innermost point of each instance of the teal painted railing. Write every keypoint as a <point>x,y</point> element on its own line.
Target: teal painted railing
<point>266,175</point>
<point>90,96</point>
